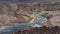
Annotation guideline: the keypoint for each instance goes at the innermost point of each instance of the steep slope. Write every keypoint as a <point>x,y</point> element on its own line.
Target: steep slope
<point>23,12</point>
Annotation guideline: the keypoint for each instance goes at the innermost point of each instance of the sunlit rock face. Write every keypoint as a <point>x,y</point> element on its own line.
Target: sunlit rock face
<point>24,12</point>
<point>6,19</point>
<point>53,17</point>
<point>21,15</point>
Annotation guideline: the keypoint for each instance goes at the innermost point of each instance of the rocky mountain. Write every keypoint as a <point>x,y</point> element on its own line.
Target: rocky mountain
<point>20,12</point>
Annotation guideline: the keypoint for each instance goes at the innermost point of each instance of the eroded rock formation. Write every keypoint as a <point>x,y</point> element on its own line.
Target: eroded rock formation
<point>21,12</point>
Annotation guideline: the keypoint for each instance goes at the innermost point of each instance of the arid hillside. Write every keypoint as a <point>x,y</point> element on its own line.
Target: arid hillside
<point>20,12</point>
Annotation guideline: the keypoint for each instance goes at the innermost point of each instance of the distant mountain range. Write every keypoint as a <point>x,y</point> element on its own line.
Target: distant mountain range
<point>21,0</point>
<point>11,1</point>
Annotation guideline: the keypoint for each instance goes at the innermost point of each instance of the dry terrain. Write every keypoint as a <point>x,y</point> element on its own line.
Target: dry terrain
<point>20,12</point>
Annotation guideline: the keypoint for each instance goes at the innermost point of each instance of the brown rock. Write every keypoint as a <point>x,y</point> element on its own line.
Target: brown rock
<point>6,20</point>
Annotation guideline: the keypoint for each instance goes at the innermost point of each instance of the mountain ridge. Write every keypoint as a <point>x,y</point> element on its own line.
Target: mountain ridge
<point>16,1</point>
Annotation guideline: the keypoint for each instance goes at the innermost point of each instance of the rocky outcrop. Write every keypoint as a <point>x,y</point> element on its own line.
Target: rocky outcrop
<point>21,12</point>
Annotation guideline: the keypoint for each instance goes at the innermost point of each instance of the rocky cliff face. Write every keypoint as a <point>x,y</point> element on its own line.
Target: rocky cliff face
<point>20,12</point>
